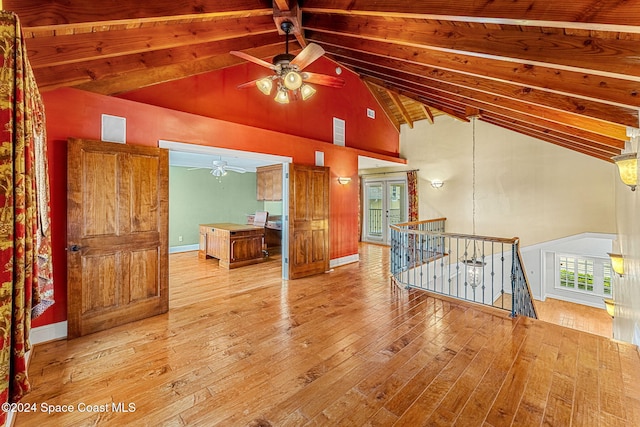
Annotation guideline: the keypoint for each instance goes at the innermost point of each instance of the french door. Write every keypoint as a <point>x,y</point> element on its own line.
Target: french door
<point>385,204</point>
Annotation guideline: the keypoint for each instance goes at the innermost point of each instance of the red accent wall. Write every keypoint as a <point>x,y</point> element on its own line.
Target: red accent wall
<point>74,113</point>
<point>216,95</point>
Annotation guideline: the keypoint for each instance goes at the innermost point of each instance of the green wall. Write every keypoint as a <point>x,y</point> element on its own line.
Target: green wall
<point>197,197</point>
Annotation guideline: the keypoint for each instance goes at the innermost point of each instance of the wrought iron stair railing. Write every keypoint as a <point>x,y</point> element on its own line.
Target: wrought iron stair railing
<point>479,269</point>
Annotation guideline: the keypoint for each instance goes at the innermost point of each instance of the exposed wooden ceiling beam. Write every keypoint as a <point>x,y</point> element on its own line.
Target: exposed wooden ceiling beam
<point>550,140</point>
<point>112,84</point>
<point>612,130</point>
<point>545,46</point>
<point>571,104</point>
<point>186,61</point>
<point>85,47</point>
<point>622,90</point>
<point>427,112</point>
<point>53,15</point>
<point>383,104</point>
<point>587,14</point>
<point>403,111</point>
<point>570,133</point>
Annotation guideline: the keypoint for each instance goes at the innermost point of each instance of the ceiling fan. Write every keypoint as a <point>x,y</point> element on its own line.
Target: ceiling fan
<point>221,167</point>
<point>289,76</point>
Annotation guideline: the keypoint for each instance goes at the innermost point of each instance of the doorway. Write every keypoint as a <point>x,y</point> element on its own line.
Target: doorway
<point>249,161</point>
<point>385,204</point>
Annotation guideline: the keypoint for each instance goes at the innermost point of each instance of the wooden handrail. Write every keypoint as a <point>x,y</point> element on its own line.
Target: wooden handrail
<point>424,221</point>
<point>510,241</point>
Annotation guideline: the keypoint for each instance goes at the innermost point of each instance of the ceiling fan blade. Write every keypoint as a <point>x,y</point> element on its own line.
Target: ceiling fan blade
<point>308,55</point>
<point>235,169</point>
<point>253,59</point>
<point>252,83</point>
<point>323,79</point>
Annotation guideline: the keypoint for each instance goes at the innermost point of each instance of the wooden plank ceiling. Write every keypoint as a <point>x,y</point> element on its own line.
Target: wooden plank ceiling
<point>566,72</point>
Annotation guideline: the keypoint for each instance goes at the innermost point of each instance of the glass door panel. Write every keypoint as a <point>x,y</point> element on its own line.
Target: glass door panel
<point>385,203</point>
<point>397,202</point>
<point>373,212</point>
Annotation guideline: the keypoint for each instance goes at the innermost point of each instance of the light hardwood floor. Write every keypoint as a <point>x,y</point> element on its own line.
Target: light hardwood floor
<point>242,347</point>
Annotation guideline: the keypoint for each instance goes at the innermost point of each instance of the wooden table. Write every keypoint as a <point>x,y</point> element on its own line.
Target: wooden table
<point>234,245</point>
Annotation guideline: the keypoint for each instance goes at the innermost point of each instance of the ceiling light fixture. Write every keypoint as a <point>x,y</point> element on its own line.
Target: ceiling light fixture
<point>291,81</point>
<point>628,168</point>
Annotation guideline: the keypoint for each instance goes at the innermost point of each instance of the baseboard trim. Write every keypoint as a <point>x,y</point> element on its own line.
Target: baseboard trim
<point>337,262</point>
<point>52,332</point>
<point>184,248</point>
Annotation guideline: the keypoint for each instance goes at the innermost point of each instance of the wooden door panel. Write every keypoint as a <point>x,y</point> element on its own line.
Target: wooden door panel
<point>144,197</point>
<point>300,252</point>
<point>318,250</point>
<point>100,176</point>
<point>319,198</point>
<point>308,220</point>
<point>117,231</point>
<point>144,275</point>
<point>99,274</point>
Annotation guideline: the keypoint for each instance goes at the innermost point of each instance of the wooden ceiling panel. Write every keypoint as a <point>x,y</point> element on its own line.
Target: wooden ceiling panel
<point>564,72</point>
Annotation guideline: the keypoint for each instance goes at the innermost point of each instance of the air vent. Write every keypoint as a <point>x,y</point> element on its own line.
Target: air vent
<point>114,129</point>
<point>338,131</point>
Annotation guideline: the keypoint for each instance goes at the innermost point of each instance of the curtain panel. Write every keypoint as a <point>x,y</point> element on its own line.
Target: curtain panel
<point>26,285</point>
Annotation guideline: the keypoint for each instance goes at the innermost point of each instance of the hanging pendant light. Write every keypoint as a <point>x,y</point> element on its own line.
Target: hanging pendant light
<point>474,264</point>
<point>628,168</point>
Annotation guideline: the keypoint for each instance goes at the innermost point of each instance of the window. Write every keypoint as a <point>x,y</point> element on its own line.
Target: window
<point>584,274</point>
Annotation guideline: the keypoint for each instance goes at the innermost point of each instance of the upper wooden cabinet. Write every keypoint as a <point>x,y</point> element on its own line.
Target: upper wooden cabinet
<point>269,182</point>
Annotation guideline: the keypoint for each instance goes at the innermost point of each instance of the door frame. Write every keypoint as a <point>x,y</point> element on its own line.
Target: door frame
<point>386,183</point>
<point>272,158</point>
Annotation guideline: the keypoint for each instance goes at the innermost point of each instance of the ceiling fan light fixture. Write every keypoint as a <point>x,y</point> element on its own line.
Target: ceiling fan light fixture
<point>218,172</point>
<point>282,96</point>
<point>265,85</point>
<point>307,91</point>
<point>292,80</point>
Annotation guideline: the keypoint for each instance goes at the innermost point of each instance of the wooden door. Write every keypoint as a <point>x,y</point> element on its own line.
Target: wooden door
<point>117,231</point>
<point>308,220</point>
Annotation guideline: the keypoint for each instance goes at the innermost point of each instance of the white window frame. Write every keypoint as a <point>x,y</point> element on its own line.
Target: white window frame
<point>600,266</point>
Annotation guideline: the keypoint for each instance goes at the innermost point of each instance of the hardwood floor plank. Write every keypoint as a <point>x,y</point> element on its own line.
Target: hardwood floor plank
<point>245,348</point>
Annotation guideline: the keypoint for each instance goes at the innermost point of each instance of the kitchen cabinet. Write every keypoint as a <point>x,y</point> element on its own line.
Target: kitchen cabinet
<point>269,183</point>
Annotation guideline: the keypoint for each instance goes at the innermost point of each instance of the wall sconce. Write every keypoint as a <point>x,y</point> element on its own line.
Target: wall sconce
<point>437,183</point>
<point>610,305</point>
<point>617,263</point>
<point>628,168</point>
<point>344,180</point>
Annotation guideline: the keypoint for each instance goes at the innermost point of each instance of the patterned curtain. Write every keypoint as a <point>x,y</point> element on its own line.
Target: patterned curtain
<point>25,252</point>
<point>412,189</point>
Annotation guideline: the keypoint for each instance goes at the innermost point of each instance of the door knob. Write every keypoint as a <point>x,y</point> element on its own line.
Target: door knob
<point>75,248</point>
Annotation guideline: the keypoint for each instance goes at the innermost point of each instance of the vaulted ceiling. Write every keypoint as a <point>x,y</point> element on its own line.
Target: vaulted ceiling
<point>566,72</point>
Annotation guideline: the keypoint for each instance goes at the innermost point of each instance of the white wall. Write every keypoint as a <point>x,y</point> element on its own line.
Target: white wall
<point>524,187</point>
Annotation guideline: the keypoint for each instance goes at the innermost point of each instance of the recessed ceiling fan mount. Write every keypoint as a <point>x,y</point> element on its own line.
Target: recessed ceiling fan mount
<point>290,79</point>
